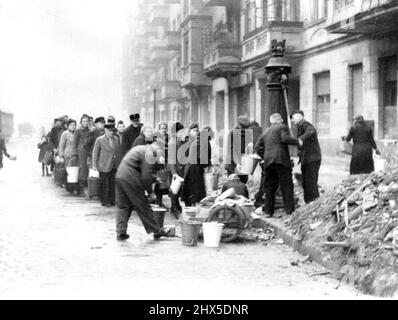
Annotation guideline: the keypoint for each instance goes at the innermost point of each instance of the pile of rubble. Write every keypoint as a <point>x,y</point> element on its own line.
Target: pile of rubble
<point>355,225</point>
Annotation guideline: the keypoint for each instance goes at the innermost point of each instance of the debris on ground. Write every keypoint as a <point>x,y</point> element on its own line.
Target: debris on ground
<point>258,234</point>
<point>355,225</point>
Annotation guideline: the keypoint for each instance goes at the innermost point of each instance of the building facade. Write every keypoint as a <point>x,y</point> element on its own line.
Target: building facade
<point>203,61</point>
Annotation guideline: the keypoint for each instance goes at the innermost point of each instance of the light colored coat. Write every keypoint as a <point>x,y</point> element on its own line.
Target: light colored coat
<point>65,147</point>
<point>104,155</point>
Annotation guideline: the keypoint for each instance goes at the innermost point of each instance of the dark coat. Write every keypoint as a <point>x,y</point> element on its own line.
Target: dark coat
<point>237,148</point>
<point>362,151</point>
<point>55,136</point>
<point>91,138</point>
<point>194,190</point>
<point>3,150</point>
<point>81,136</point>
<point>311,150</point>
<point>175,166</point>
<point>135,162</point>
<point>239,187</point>
<point>129,137</point>
<point>273,146</point>
<point>44,147</point>
<point>141,141</point>
<point>105,156</point>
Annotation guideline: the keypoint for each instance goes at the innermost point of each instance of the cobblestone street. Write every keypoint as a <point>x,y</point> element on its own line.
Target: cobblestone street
<point>56,246</point>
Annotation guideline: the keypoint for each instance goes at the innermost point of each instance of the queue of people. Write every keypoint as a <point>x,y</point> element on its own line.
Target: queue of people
<point>137,164</point>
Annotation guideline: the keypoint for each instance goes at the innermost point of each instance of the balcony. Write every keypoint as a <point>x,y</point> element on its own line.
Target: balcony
<point>193,76</point>
<point>173,40</point>
<point>171,90</point>
<point>363,17</point>
<point>256,45</point>
<point>221,59</point>
<point>159,14</point>
<point>159,56</point>
<point>229,4</point>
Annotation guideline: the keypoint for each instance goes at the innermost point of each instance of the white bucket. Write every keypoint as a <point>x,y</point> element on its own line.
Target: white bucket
<point>212,232</point>
<point>73,174</point>
<point>176,185</point>
<point>249,164</point>
<point>380,164</point>
<point>211,181</point>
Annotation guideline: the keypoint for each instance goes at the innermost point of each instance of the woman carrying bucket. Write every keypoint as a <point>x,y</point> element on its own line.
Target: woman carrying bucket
<point>65,150</point>
<point>177,139</point>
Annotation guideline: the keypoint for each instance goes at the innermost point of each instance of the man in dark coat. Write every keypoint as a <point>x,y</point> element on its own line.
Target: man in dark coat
<point>310,156</point>
<point>94,134</point>
<point>238,140</point>
<point>131,133</point>
<point>273,148</point>
<point>136,174</point>
<point>146,137</point>
<point>362,150</point>
<point>80,153</point>
<point>198,152</point>
<point>3,150</point>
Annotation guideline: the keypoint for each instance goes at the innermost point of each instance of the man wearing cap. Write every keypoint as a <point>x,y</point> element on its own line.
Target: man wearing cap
<point>310,155</point>
<point>238,140</point>
<point>273,148</point>
<point>106,160</point>
<point>135,176</point>
<point>95,133</point>
<point>131,133</point>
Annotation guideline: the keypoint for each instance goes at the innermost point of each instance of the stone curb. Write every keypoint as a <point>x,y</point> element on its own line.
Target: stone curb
<point>298,245</point>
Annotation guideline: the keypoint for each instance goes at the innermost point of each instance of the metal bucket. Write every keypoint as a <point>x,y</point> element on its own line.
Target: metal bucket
<point>73,174</point>
<point>176,185</point>
<point>59,176</point>
<point>190,233</point>
<point>249,164</point>
<point>211,181</point>
<point>94,187</point>
<point>159,214</point>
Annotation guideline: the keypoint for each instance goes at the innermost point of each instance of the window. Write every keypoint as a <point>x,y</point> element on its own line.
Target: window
<point>319,10</point>
<point>186,51</point>
<point>340,4</point>
<point>322,97</point>
<point>251,15</point>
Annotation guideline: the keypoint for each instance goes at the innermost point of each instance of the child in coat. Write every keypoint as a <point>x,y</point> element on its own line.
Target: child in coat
<point>44,147</point>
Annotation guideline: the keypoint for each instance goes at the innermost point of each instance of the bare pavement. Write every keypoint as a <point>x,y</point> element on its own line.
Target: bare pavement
<point>53,246</point>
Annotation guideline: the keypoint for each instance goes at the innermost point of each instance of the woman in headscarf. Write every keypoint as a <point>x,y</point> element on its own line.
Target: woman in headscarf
<point>364,143</point>
<point>198,158</point>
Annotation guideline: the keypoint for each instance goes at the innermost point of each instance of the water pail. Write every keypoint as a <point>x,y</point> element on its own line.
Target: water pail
<point>212,232</point>
<point>380,164</point>
<point>94,187</point>
<point>159,214</point>
<point>249,164</point>
<point>190,232</point>
<point>211,181</point>
<point>73,174</point>
<point>190,212</point>
<point>59,176</point>
<point>176,185</point>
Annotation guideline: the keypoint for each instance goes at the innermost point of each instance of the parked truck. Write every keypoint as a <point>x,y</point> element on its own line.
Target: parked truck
<point>6,124</point>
